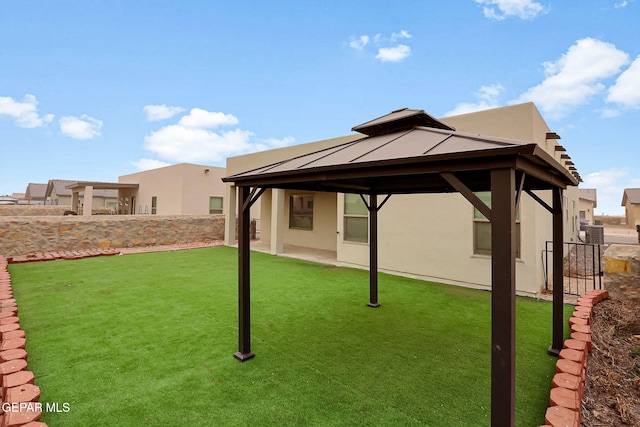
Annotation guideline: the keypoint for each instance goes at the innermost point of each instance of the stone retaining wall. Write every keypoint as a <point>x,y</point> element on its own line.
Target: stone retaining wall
<point>33,210</point>
<point>24,235</point>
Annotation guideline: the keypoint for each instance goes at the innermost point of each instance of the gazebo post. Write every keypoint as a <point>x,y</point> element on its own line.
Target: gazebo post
<point>503,306</point>
<point>558,276</point>
<point>244,276</point>
<point>373,251</point>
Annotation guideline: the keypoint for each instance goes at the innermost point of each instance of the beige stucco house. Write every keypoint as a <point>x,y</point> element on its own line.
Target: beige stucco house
<point>631,203</point>
<point>182,189</point>
<point>588,202</point>
<point>58,192</point>
<point>438,237</point>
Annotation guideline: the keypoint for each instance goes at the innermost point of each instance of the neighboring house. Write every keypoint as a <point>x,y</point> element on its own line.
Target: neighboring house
<point>631,203</point>
<point>587,205</point>
<point>35,194</point>
<point>182,189</point>
<point>438,237</point>
<point>58,192</point>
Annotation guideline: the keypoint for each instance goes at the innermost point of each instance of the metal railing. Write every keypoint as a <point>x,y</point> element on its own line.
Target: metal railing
<point>582,267</point>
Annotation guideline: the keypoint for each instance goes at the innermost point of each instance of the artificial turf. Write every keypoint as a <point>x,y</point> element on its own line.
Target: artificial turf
<point>148,339</point>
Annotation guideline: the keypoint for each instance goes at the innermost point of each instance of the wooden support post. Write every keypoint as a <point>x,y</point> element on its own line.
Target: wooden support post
<point>373,251</point>
<point>503,305</point>
<point>244,276</point>
<point>558,275</point>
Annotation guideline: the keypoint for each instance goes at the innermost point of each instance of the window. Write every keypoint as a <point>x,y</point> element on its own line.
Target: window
<point>356,219</point>
<point>301,212</point>
<point>154,205</point>
<point>482,228</point>
<point>215,205</point>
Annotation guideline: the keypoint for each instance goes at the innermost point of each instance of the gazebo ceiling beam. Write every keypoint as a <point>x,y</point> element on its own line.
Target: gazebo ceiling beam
<point>467,193</point>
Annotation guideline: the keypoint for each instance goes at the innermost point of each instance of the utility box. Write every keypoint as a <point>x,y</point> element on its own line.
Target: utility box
<point>594,234</point>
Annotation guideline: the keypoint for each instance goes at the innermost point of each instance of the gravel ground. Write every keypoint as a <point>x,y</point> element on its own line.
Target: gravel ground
<point>612,387</point>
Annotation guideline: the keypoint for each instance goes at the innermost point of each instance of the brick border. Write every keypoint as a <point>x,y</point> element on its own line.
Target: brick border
<point>18,391</point>
<point>87,253</point>
<point>565,399</point>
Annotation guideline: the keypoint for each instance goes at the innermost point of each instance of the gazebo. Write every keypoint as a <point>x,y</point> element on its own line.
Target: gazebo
<point>408,151</point>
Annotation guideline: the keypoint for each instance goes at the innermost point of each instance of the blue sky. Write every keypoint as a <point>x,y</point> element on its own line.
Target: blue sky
<point>90,90</point>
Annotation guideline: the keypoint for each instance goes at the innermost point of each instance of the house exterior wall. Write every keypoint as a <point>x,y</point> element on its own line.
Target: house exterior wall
<point>182,189</point>
<point>632,212</point>
<point>430,236</point>
<point>98,202</point>
<point>435,242</point>
<point>60,200</point>
<point>587,206</point>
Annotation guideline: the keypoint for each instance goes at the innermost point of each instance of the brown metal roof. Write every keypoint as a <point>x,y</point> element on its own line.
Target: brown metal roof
<point>410,162</point>
<point>588,194</point>
<point>35,191</point>
<point>399,120</point>
<point>632,195</point>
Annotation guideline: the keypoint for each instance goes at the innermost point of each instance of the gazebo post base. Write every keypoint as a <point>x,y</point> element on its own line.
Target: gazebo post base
<point>553,352</point>
<point>373,304</point>
<point>244,356</point>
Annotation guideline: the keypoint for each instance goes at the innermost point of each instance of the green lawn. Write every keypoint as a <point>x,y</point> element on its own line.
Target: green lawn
<point>147,340</point>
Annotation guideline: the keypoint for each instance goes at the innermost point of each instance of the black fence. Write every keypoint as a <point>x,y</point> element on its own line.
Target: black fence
<point>582,267</point>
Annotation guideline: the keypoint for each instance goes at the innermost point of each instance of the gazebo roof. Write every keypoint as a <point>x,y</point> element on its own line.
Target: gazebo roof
<point>398,120</point>
<point>410,161</point>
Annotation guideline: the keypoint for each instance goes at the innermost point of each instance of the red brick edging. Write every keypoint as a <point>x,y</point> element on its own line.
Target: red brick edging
<point>19,395</point>
<point>567,390</point>
<point>87,253</point>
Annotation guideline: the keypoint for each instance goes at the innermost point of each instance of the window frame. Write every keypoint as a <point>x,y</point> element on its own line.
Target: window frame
<point>479,218</point>
<point>221,209</point>
<point>297,220</point>
<point>354,215</point>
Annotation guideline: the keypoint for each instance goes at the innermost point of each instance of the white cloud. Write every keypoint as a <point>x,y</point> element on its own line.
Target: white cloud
<point>23,112</point>
<point>161,112</point>
<point>626,90</point>
<point>621,4</point>
<point>403,34</point>
<point>575,77</point>
<point>359,43</point>
<point>488,98</point>
<point>146,164</point>
<point>393,54</point>
<point>501,9</point>
<point>193,140</point>
<point>610,185</point>
<point>608,113</point>
<point>199,118</point>
<point>187,144</point>
<point>388,50</point>
<point>83,127</point>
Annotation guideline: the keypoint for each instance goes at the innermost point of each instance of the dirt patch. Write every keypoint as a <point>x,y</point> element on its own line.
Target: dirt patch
<point>612,388</point>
